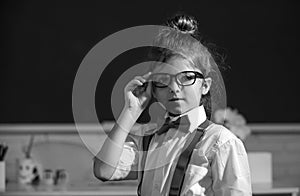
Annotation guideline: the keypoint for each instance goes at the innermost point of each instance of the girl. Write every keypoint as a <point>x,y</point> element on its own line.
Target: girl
<point>180,82</point>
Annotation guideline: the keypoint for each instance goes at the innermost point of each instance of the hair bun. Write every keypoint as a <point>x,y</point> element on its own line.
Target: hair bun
<point>183,23</point>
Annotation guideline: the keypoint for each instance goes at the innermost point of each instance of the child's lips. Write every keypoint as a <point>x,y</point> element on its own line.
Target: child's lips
<point>176,99</point>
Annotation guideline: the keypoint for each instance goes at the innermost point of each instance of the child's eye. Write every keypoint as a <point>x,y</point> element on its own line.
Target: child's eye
<point>187,77</point>
<point>161,80</point>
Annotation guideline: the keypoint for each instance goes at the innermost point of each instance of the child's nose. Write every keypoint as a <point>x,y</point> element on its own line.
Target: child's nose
<point>174,86</point>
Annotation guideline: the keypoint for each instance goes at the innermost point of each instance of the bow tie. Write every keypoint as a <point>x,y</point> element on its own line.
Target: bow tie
<point>169,124</point>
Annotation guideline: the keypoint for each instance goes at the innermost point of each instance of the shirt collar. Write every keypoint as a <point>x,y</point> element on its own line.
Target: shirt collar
<point>192,118</point>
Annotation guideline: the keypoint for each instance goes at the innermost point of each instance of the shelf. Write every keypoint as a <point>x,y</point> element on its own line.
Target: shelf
<point>257,128</point>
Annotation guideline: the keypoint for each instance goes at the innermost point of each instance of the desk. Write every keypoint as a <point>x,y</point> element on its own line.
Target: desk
<point>120,189</point>
<point>269,189</point>
<point>101,189</point>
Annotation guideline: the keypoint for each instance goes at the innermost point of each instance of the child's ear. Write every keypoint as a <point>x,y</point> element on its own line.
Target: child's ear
<point>206,85</point>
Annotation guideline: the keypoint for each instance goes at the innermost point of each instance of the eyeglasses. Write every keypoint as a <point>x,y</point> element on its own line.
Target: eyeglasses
<point>185,78</point>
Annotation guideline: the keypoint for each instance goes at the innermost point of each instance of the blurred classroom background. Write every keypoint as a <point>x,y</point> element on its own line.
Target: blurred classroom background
<point>44,43</point>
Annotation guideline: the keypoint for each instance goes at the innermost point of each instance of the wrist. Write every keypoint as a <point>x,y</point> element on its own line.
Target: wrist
<point>127,119</point>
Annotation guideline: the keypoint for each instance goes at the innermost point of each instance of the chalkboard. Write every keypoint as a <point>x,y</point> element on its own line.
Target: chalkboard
<point>44,42</point>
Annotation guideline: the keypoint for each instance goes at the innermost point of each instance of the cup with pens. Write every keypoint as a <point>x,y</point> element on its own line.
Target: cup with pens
<point>3,151</point>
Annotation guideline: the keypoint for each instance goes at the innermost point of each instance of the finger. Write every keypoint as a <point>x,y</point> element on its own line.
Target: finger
<point>136,82</point>
<point>133,84</point>
<point>147,75</point>
<point>140,78</point>
<point>143,78</point>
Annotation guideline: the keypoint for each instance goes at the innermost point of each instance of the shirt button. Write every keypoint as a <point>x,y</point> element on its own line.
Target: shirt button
<point>156,186</point>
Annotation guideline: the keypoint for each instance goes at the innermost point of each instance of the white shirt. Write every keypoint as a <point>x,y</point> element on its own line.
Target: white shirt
<point>218,166</point>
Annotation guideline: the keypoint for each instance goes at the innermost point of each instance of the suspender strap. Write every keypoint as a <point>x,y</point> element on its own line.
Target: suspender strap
<point>184,159</point>
<point>146,142</point>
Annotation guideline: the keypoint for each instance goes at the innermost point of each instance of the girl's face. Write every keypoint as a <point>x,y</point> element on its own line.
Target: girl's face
<point>178,99</point>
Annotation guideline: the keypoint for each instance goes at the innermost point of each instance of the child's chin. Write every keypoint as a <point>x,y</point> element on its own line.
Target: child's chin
<point>176,111</point>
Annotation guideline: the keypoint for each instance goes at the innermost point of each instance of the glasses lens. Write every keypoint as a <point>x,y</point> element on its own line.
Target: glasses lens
<point>161,80</point>
<point>186,78</point>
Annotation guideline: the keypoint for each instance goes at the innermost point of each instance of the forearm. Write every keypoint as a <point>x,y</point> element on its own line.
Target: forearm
<point>108,157</point>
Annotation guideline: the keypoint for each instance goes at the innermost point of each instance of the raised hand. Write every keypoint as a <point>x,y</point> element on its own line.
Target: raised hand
<point>138,94</point>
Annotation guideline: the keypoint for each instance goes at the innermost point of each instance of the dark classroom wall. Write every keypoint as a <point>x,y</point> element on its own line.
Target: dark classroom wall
<point>44,42</point>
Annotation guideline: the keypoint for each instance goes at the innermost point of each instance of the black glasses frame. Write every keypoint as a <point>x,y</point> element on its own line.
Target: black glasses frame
<point>197,75</point>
